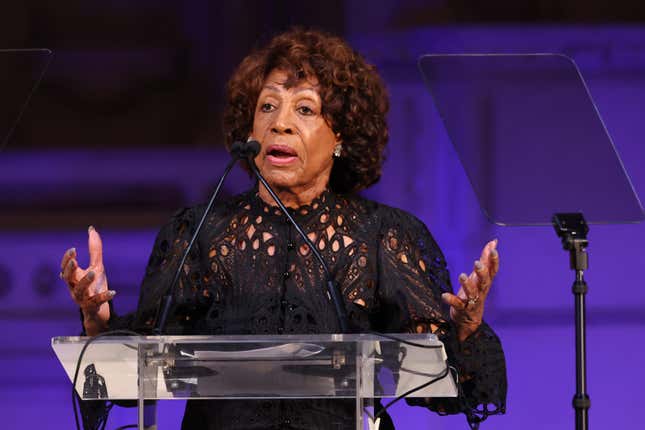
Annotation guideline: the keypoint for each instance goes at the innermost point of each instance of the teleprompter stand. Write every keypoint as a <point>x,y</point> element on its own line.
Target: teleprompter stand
<point>572,229</point>
<point>533,145</point>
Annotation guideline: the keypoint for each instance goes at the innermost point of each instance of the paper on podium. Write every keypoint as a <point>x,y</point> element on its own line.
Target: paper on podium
<point>417,368</point>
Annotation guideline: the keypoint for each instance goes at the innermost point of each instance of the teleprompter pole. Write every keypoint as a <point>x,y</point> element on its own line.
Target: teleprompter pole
<point>572,229</point>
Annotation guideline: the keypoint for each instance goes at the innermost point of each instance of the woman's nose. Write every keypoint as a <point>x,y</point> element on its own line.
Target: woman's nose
<point>282,122</point>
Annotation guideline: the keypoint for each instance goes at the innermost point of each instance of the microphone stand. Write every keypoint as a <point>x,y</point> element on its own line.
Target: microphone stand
<point>166,302</point>
<point>572,229</point>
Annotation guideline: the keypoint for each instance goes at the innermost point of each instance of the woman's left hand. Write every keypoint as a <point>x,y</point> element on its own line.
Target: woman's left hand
<point>467,307</point>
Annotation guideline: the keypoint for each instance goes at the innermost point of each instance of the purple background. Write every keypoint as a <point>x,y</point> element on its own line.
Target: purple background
<point>56,180</point>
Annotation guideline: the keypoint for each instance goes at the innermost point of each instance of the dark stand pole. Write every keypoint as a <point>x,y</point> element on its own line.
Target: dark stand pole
<point>572,229</point>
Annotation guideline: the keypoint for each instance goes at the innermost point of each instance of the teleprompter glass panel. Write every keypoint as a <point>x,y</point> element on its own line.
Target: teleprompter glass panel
<point>530,138</point>
<point>21,70</point>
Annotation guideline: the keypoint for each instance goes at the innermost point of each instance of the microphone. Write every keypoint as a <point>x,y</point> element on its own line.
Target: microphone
<point>238,150</point>
<point>251,149</point>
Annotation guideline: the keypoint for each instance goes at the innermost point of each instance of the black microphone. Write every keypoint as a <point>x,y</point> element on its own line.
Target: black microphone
<point>251,149</point>
<point>238,150</point>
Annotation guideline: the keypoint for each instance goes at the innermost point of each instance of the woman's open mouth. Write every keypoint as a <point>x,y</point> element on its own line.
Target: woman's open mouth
<point>281,155</point>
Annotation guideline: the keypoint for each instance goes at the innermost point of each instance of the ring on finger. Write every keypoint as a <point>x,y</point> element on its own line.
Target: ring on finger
<point>472,301</point>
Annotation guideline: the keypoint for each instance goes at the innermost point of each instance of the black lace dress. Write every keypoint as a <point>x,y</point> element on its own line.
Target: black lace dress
<point>250,273</point>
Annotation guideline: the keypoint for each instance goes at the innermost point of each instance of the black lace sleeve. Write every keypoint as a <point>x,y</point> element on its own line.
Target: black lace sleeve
<point>191,291</point>
<point>170,244</point>
<point>412,277</point>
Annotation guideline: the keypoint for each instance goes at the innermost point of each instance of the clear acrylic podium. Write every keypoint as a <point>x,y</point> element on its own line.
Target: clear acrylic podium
<point>343,366</point>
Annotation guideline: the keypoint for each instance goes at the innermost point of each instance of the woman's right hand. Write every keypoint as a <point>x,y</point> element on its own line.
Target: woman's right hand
<point>89,287</point>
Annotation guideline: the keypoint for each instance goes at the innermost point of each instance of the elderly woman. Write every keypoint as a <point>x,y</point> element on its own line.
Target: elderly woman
<point>318,110</point>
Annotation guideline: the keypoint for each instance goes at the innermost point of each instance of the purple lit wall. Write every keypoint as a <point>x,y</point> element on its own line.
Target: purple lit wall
<point>531,306</point>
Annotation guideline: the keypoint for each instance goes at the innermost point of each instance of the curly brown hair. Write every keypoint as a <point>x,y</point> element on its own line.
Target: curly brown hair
<point>354,99</point>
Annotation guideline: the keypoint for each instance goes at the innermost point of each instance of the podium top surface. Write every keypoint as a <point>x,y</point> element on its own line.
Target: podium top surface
<point>282,338</point>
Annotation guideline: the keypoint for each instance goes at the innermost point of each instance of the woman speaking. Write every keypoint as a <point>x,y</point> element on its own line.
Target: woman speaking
<point>318,111</point>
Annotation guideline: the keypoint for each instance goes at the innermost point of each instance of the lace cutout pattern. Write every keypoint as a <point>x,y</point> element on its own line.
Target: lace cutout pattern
<point>250,272</point>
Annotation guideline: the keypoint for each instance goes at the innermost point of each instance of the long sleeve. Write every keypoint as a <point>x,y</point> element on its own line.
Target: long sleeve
<point>412,277</point>
<point>170,244</point>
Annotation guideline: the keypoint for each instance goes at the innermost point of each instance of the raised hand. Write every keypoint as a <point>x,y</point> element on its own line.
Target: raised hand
<point>467,307</point>
<point>89,287</point>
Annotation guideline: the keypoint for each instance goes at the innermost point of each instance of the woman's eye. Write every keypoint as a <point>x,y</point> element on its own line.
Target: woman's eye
<point>266,107</point>
<point>305,110</point>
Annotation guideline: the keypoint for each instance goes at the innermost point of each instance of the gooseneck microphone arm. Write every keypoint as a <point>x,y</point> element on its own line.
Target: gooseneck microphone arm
<point>237,152</point>
<point>252,149</point>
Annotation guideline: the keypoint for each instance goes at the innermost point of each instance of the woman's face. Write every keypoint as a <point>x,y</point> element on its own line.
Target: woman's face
<point>297,143</point>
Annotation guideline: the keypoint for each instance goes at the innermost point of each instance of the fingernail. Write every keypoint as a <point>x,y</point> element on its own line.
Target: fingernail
<point>111,293</point>
<point>478,265</point>
<point>90,229</point>
<point>463,277</point>
<point>444,296</point>
<point>495,241</point>
<point>494,253</point>
<point>71,251</point>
